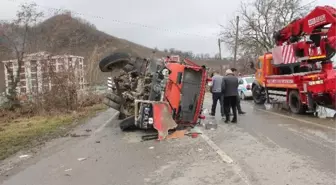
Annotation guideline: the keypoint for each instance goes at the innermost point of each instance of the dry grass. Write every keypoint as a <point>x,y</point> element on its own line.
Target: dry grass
<point>22,133</point>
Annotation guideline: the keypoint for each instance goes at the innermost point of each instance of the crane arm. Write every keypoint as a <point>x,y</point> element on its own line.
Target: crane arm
<point>320,26</point>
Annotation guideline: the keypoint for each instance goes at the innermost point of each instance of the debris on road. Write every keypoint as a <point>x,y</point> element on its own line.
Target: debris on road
<point>79,135</point>
<point>151,148</point>
<point>81,159</point>
<point>24,156</point>
<point>177,134</point>
<point>324,112</point>
<point>210,126</point>
<point>88,130</point>
<point>97,141</point>
<point>67,170</point>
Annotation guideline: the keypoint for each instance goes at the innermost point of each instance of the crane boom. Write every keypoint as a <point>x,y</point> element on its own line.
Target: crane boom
<point>309,38</point>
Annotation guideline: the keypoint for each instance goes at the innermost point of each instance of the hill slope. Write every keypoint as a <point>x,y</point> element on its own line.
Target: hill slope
<point>64,34</point>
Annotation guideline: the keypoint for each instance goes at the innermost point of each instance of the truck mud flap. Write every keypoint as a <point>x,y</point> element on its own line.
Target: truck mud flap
<point>162,117</point>
<point>163,120</point>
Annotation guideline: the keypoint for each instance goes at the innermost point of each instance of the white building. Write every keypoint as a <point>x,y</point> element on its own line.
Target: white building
<point>35,71</point>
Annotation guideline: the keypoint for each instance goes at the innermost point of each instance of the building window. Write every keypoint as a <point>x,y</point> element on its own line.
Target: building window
<point>33,76</point>
<point>53,62</point>
<point>22,69</point>
<point>23,90</point>
<point>10,76</point>
<point>22,76</point>
<point>61,68</point>
<point>33,66</point>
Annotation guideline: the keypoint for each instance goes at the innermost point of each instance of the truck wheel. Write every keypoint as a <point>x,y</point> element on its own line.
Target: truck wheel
<point>111,104</point>
<point>257,95</point>
<point>295,104</point>
<point>127,124</point>
<point>115,60</point>
<point>115,98</point>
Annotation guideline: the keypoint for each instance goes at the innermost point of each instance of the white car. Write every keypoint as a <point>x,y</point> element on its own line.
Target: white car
<point>245,87</point>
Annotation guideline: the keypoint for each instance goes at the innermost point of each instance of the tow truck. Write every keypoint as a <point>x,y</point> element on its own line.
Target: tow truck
<point>300,69</point>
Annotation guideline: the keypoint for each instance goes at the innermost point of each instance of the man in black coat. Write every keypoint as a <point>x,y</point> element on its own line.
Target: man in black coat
<point>240,111</point>
<point>230,93</point>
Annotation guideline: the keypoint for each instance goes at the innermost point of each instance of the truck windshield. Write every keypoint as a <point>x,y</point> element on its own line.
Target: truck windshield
<point>249,80</point>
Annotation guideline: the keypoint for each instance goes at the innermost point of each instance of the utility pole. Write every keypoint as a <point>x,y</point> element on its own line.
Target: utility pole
<point>220,55</point>
<point>236,43</point>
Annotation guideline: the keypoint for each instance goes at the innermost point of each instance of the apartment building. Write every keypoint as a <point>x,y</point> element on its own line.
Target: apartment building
<point>37,67</point>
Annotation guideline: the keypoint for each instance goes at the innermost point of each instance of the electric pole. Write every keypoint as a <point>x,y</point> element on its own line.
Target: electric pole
<point>220,55</point>
<point>236,43</point>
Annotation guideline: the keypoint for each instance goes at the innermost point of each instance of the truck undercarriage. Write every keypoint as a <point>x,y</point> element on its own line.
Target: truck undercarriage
<point>154,93</point>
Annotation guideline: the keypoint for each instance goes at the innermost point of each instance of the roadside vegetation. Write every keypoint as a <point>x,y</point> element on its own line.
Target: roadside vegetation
<point>19,132</point>
<point>30,119</point>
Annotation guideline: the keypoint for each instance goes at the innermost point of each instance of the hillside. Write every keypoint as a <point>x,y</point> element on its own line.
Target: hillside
<point>64,34</point>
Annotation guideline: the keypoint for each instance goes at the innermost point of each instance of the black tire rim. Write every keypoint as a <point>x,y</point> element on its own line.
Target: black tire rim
<point>256,94</point>
<point>295,103</point>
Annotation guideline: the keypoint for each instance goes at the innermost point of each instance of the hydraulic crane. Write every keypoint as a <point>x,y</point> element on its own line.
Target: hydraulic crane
<point>320,26</point>
<point>290,74</point>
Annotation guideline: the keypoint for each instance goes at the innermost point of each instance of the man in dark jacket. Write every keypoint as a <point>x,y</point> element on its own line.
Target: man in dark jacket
<point>240,111</point>
<point>230,93</point>
<point>216,90</point>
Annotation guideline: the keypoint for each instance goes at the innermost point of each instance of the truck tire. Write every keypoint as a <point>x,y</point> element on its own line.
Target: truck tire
<point>111,104</point>
<point>115,98</point>
<point>294,103</point>
<point>127,123</point>
<point>115,60</point>
<point>258,98</point>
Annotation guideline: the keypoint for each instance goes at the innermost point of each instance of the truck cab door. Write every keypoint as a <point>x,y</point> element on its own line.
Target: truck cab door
<point>259,75</point>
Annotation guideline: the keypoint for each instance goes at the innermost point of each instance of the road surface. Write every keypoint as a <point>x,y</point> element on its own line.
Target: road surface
<point>266,147</point>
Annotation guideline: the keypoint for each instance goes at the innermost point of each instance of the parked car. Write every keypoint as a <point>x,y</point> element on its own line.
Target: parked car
<point>245,87</point>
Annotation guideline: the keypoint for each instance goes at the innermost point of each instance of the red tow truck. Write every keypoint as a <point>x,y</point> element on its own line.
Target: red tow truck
<point>300,70</point>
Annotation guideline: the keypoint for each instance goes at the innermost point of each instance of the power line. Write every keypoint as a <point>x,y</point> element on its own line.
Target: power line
<point>58,10</point>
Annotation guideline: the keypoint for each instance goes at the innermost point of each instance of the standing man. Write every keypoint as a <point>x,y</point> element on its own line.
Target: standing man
<point>216,90</point>
<point>230,93</point>
<point>240,111</point>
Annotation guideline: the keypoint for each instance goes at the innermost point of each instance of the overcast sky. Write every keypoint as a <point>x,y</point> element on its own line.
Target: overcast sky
<point>191,25</point>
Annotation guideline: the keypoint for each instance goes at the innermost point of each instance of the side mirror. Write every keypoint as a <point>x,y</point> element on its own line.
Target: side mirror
<point>252,65</point>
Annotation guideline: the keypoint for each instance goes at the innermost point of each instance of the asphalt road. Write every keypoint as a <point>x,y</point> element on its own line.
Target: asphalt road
<point>266,147</point>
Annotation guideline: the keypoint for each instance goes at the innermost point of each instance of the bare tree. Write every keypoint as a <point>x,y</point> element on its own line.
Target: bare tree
<point>15,37</point>
<point>258,22</point>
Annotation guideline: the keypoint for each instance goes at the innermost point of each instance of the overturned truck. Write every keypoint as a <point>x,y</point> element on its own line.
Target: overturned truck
<point>155,93</point>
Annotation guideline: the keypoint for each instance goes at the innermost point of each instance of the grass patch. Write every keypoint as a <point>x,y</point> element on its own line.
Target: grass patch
<point>22,133</point>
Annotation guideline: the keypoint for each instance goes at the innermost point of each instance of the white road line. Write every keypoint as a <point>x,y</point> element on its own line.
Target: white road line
<point>311,139</point>
<point>107,122</point>
<point>297,119</point>
<point>226,159</point>
<point>293,118</point>
<point>220,152</point>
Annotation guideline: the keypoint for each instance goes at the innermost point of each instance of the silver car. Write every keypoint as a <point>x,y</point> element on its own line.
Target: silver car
<point>245,87</point>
